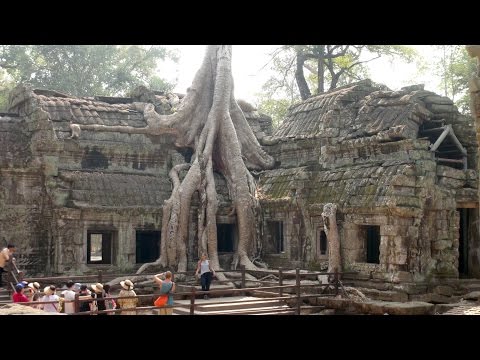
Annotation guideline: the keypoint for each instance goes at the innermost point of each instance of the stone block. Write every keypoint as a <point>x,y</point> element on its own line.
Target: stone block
<point>420,297</point>
<point>409,308</point>
<point>443,290</point>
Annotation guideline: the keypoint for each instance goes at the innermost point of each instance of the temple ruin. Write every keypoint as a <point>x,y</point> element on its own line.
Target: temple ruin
<point>399,167</point>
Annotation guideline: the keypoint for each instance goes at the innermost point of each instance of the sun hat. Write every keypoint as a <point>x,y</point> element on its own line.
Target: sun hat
<point>48,290</point>
<point>35,286</point>
<point>98,288</point>
<point>126,284</point>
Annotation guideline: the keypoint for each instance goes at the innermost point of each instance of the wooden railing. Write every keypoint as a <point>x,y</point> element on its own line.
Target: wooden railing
<point>334,285</point>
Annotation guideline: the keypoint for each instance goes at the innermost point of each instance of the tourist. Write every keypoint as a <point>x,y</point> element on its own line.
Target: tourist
<point>167,286</point>
<point>50,295</point>
<point>19,295</point>
<point>126,304</point>
<point>109,302</point>
<point>69,298</point>
<point>84,294</point>
<point>98,294</point>
<point>6,255</point>
<point>206,273</point>
<point>32,292</point>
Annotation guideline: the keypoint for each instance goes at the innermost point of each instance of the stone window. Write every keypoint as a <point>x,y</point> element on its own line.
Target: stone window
<point>225,238</point>
<point>99,247</point>
<point>147,246</point>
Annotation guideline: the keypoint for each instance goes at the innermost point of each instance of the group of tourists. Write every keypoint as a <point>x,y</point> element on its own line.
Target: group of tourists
<point>93,298</point>
<point>97,296</point>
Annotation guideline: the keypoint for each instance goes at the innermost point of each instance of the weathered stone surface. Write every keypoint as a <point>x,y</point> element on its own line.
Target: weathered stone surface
<point>409,308</point>
<point>384,295</point>
<point>444,290</point>
<point>474,295</point>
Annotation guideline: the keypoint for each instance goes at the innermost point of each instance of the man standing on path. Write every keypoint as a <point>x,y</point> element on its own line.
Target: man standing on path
<point>6,255</point>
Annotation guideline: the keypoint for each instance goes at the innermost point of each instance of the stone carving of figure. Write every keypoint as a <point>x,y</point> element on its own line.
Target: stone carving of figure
<point>75,128</point>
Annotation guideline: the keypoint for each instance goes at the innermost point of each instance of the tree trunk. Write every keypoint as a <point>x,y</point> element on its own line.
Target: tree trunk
<point>331,230</point>
<point>210,121</point>
<point>300,78</point>
<point>321,70</point>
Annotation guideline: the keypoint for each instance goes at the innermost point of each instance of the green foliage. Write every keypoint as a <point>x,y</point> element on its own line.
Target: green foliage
<point>455,68</point>
<point>276,108</point>
<point>81,70</point>
<point>5,86</point>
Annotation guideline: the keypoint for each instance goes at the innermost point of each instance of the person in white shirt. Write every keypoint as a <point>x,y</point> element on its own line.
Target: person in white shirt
<point>49,296</point>
<point>69,296</point>
<point>206,273</point>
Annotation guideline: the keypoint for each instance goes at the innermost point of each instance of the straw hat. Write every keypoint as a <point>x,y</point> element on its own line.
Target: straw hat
<point>49,291</point>
<point>127,284</point>
<point>98,288</point>
<point>34,286</point>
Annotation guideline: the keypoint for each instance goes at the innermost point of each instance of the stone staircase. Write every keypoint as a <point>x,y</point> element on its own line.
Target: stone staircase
<point>235,305</point>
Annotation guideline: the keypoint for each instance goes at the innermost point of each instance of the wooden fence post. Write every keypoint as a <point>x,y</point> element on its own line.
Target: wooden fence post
<point>242,267</point>
<point>297,278</point>
<point>192,301</point>
<point>280,280</point>
<point>76,304</point>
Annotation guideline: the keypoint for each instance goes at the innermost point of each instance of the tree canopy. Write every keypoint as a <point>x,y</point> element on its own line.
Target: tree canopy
<point>455,67</point>
<point>109,70</point>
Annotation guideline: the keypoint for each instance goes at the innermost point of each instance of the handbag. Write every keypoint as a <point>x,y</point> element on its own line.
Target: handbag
<point>162,299</point>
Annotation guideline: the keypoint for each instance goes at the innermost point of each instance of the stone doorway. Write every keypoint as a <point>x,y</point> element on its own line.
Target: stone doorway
<point>147,246</point>
<point>225,238</point>
<point>463,242</point>
<point>373,244</point>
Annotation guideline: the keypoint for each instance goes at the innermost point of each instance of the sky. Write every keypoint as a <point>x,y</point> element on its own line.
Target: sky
<point>250,72</point>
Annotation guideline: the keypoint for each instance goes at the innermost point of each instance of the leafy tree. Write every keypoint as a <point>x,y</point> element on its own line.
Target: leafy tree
<point>6,85</point>
<point>276,108</point>
<point>82,70</point>
<point>455,68</point>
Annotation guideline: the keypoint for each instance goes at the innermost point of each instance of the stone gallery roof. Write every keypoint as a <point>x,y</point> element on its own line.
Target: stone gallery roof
<point>363,109</point>
<point>366,186</point>
<point>63,109</point>
<point>280,183</point>
<point>96,189</point>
